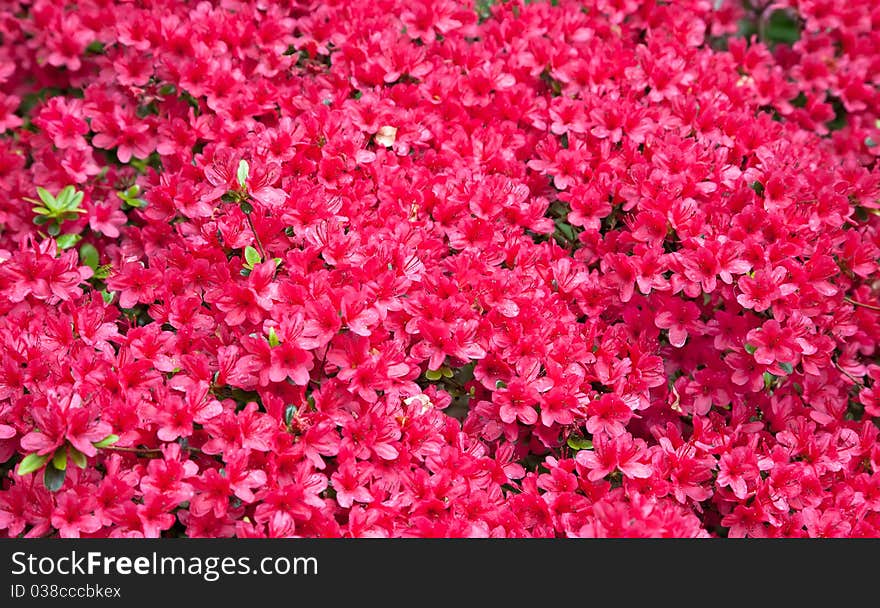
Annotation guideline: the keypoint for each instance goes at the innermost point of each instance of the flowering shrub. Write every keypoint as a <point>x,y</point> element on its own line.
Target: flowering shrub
<point>397,268</point>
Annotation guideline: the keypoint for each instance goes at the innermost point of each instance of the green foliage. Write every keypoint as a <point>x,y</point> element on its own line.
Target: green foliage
<point>106,441</point>
<point>578,442</point>
<point>53,477</point>
<point>130,196</point>
<point>89,256</point>
<point>242,173</point>
<point>32,462</point>
<point>289,413</point>
<point>59,459</point>
<point>782,28</point>
<point>252,257</point>
<point>53,210</point>
<point>66,241</point>
<point>77,457</point>
<point>484,8</point>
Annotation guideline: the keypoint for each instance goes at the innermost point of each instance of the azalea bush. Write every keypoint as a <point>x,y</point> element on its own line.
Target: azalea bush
<point>439,268</point>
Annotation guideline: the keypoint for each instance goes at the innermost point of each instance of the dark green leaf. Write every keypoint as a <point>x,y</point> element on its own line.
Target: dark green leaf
<point>53,478</point>
<point>95,48</point>
<point>88,255</point>
<point>782,27</point>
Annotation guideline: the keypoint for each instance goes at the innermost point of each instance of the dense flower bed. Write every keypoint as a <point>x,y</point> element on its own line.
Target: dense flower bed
<point>399,268</point>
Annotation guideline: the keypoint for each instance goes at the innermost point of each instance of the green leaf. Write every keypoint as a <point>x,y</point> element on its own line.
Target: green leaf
<point>433,375</point>
<point>500,384</point>
<point>77,457</point>
<point>782,27</point>
<point>31,463</point>
<point>103,271</point>
<point>65,197</point>
<point>88,255</point>
<point>75,201</point>
<point>244,170</point>
<point>95,47</point>
<point>66,241</point>
<point>289,413</point>
<point>273,338</point>
<point>53,478</point>
<point>53,229</point>
<point>41,219</point>
<point>750,349</point>
<point>107,296</point>
<point>47,198</point>
<point>59,459</point>
<point>786,367</point>
<point>252,256</point>
<point>579,442</point>
<point>130,196</point>
<point>246,208</point>
<point>106,441</point>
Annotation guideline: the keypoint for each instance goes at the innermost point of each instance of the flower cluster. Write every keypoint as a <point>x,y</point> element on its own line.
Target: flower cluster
<point>426,268</point>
